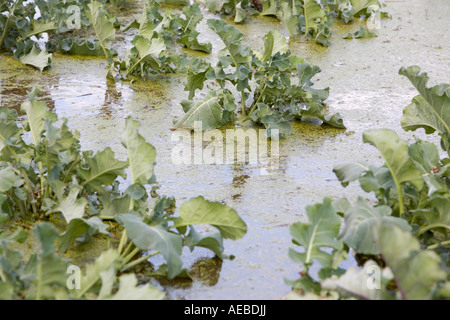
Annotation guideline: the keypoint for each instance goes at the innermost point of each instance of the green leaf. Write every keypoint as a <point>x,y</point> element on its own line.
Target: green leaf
<point>397,159</point>
<point>208,111</point>
<point>360,34</point>
<point>353,283</point>
<point>231,37</point>
<point>48,268</point>
<point>9,131</point>
<point>212,241</point>
<point>36,111</point>
<point>148,51</point>
<point>200,211</point>
<point>321,231</point>
<point>363,223</point>
<point>71,206</point>
<point>37,58</point>
<point>129,290</point>
<point>315,110</point>
<point>425,156</point>
<point>8,179</point>
<point>436,214</point>
<point>112,205</point>
<point>214,5</point>
<point>195,81</point>
<point>274,42</point>
<point>416,272</point>
<point>40,27</point>
<point>147,237</point>
<point>103,27</point>
<point>108,259</point>
<point>430,110</point>
<point>314,15</point>
<point>136,191</point>
<point>141,155</point>
<point>269,8</point>
<point>101,169</point>
<point>289,18</point>
<point>78,227</point>
<point>240,14</point>
<point>83,47</point>
<point>350,171</point>
<point>341,205</point>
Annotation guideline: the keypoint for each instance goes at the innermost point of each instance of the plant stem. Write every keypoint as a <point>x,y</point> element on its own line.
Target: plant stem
<point>26,180</point>
<point>440,244</point>
<point>122,242</point>
<point>127,250</point>
<point>137,261</point>
<point>131,255</point>
<point>244,112</point>
<point>77,160</point>
<point>47,187</point>
<point>5,31</point>
<point>256,103</point>
<point>431,226</point>
<point>399,190</point>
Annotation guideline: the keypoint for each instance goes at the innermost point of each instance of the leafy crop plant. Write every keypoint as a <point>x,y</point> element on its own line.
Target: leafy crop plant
<point>404,237</point>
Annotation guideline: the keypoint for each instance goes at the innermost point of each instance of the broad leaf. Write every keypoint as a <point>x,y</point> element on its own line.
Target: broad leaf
<point>360,34</point>
<point>348,172</point>
<point>208,111</point>
<point>395,153</point>
<point>112,205</point>
<point>100,169</point>
<point>231,37</point>
<point>141,155</point>
<point>71,206</point>
<point>79,227</point>
<point>289,18</point>
<point>212,241</point>
<point>416,272</point>
<point>147,51</point>
<point>49,269</point>
<point>354,283</point>
<point>200,211</point>
<point>321,231</point>
<point>429,110</point>
<point>36,111</point>
<point>40,27</point>
<point>129,290</point>
<point>274,42</point>
<point>436,214</point>
<point>425,156</point>
<point>363,223</point>
<point>147,237</point>
<point>8,179</point>
<point>103,27</point>
<point>37,58</point>
<point>313,15</point>
<point>108,259</point>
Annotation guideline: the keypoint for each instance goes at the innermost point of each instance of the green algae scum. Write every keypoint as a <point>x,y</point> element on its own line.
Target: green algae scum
<point>111,201</point>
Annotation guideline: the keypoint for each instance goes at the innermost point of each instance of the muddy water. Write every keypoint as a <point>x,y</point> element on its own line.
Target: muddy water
<point>365,88</point>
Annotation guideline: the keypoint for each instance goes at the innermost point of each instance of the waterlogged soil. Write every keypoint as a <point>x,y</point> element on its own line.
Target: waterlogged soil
<point>365,89</point>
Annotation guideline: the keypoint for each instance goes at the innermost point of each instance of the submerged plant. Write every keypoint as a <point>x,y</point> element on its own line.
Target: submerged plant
<point>406,231</point>
<point>311,18</point>
<point>50,178</point>
<point>277,96</point>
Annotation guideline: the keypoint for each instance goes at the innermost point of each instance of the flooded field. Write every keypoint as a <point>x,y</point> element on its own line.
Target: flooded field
<point>365,89</point>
